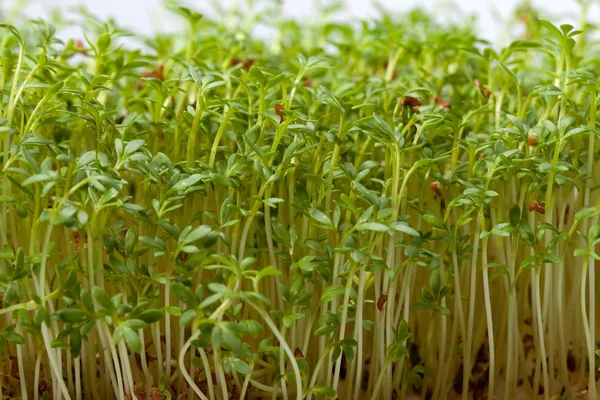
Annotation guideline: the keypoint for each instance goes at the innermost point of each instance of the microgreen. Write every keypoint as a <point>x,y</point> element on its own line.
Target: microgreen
<point>360,211</point>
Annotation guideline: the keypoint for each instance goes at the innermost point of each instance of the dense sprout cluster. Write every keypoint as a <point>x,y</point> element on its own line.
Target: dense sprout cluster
<point>374,210</point>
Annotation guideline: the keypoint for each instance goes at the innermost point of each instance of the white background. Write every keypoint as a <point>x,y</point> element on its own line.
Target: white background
<point>148,15</point>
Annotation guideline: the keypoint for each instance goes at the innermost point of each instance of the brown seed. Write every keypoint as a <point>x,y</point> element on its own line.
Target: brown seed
<point>410,101</point>
<point>248,64</point>
<point>442,102</point>
<point>541,208</point>
<point>155,393</point>
<point>298,353</point>
<point>532,140</point>
<point>80,47</point>
<point>481,88</point>
<point>435,186</point>
<point>280,111</point>
<point>533,205</point>
<point>381,301</point>
<point>138,391</point>
<point>308,82</point>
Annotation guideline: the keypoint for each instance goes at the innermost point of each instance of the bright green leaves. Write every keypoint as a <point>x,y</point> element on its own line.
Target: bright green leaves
<point>193,17</point>
<point>129,332</point>
<point>431,298</point>
<point>133,152</point>
<point>296,294</point>
<point>435,222</point>
<point>305,263</point>
<point>103,42</point>
<point>435,281</point>
<point>324,390</point>
<point>592,238</point>
<point>8,334</point>
<point>184,295</point>
<point>405,228</point>
<point>327,324</point>
<point>189,239</point>
<point>71,316</point>
<point>331,100</point>
<point>14,31</point>
<point>186,183</point>
<point>397,350</point>
<point>372,226</point>
<point>210,171</point>
<point>102,299</point>
<point>321,218</point>
<point>239,366</point>
<point>562,37</point>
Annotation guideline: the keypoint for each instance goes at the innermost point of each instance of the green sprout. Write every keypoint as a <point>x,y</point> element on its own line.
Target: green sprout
<point>372,210</point>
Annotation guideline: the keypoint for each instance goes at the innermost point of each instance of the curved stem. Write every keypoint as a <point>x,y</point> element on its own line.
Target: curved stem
<point>588,338</point>
<point>283,343</point>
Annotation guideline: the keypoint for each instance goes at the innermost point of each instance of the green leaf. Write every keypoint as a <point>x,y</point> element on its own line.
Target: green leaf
<point>183,294</point>
<point>186,183</point>
<point>176,311</point>
<point>552,258</point>
<point>324,390</point>
<point>405,228</point>
<point>435,281</point>
<point>103,42</point>
<point>130,241</point>
<point>580,253</point>
<point>320,217</point>
<point>433,221</point>
<point>331,99</point>
<point>372,226</point>
<point>525,231</point>
<point>231,340</point>
<point>102,298</point>
<point>151,316</point>
<point>14,337</point>
<point>288,320</point>
<point>199,233</point>
<point>70,315</point>
<point>134,146</point>
<point>241,366</point>
<point>132,339</point>
<point>40,316</point>
<point>330,293</point>
<point>306,264</point>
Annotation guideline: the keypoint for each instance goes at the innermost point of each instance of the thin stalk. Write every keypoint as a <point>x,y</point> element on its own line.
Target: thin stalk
<point>473,290</point>
<point>590,345</point>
